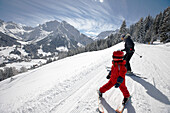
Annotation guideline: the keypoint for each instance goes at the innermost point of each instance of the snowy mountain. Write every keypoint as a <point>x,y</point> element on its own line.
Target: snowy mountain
<point>105,34</point>
<point>48,29</point>
<point>6,40</point>
<point>14,30</point>
<point>69,85</point>
<point>51,37</point>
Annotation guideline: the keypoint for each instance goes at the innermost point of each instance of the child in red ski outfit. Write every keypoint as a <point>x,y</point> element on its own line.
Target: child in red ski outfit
<point>117,76</point>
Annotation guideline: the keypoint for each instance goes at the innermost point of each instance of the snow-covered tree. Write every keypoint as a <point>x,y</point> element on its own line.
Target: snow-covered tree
<point>140,31</point>
<point>157,23</point>
<point>165,27</point>
<point>14,71</point>
<point>132,29</point>
<point>123,29</point>
<point>1,75</point>
<point>148,35</point>
<point>147,23</point>
<point>23,69</point>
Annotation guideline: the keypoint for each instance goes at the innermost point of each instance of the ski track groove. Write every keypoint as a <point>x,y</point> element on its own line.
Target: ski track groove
<point>45,102</point>
<point>81,94</point>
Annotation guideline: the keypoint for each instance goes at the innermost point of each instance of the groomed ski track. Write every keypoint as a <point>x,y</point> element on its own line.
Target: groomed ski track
<point>69,85</point>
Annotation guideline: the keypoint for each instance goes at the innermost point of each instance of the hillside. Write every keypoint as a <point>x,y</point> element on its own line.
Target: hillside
<point>69,85</point>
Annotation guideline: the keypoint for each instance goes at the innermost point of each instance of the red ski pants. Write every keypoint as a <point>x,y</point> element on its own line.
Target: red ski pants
<point>111,83</point>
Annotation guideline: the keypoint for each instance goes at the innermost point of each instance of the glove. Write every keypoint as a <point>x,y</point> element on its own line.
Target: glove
<point>122,49</point>
<point>108,76</point>
<point>119,81</point>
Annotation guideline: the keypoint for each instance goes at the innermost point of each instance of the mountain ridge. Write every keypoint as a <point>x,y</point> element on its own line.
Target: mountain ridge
<point>49,36</point>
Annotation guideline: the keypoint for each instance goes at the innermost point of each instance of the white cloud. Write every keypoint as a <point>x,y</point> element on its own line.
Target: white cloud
<point>87,16</point>
<point>91,33</point>
<point>101,1</point>
<point>90,27</point>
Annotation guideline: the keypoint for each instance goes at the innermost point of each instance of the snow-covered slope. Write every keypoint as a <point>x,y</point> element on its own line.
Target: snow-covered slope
<point>69,85</point>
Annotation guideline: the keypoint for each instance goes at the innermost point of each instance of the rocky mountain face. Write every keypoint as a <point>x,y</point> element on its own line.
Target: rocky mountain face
<point>6,40</point>
<point>48,36</point>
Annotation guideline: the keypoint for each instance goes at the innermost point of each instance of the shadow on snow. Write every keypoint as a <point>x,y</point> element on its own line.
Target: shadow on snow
<point>109,109</point>
<point>152,90</point>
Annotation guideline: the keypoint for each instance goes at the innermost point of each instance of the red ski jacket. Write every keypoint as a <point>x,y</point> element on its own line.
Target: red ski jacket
<point>118,69</point>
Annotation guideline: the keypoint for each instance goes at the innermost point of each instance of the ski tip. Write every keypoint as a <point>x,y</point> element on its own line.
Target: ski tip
<point>118,112</point>
<point>99,110</point>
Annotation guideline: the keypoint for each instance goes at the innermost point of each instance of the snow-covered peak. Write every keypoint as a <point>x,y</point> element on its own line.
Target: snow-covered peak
<point>105,34</point>
<point>50,26</point>
<point>14,30</point>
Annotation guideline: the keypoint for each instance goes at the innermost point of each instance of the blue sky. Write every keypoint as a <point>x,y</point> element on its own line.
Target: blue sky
<point>89,16</point>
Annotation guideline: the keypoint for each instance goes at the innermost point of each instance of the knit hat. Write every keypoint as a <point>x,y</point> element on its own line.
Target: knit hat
<point>118,56</point>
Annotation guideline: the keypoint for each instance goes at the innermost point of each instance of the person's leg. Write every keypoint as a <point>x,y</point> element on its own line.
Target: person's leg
<point>124,90</point>
<point>128,57</point>
<point>107,86</point>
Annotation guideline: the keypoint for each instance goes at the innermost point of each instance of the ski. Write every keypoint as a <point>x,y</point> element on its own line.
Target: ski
<point>121,107</point>
<point>135,75</point>
<point>100,106</point>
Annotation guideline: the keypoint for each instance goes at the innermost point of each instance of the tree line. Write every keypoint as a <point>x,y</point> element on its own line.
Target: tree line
<point>8,72</point>
<point>150,29</point>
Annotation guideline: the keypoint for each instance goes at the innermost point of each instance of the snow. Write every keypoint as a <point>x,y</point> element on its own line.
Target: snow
<point>14,56</point>
<point>5,51</point>
<point>80,45</point>
<point>22,42</point>
<point>40,51</point>
<point>43,34</point>
<point>27,65</point>
<point>23,52</point>
<point>1,59</point>
<point>62,48</point>
<point>69,85</point>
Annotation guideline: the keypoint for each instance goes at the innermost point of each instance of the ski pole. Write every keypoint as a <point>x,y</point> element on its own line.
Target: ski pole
<point>139,55</point>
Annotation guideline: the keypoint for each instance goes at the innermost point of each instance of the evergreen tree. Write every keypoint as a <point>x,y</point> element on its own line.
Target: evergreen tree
<point>8,72</point>
<point>147,23</point>
<point>23,69</point>
<point>14,71</point>
<point>132,29</point>
<point>123,29</point>
<point>165,27</point>
<point>148,35</point>
<point>157,23</point>
<point>135,29</point>
<point>140,31</point>
<point>1,75</point>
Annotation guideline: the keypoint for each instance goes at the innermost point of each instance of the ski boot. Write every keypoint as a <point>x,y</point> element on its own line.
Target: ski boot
<point>100,94</point>
<point>129,72</point>
<point>125,100</point>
